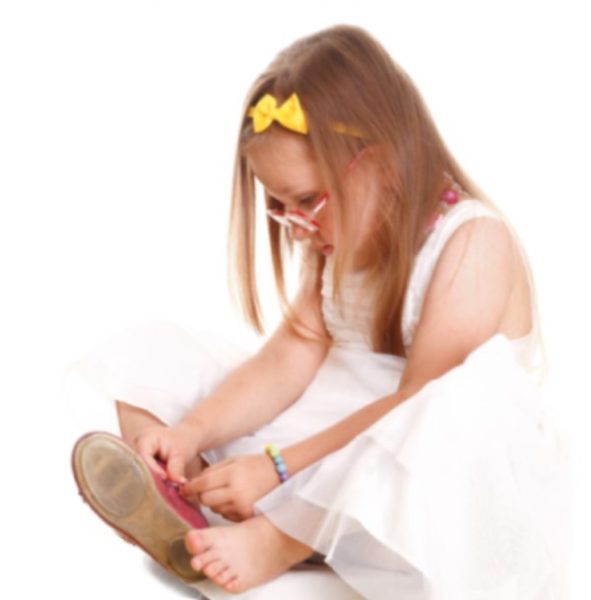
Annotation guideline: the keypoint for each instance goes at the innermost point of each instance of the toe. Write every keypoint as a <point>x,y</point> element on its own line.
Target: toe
<point>214,569</point>
<point>224,577</point>
<point>233,586</point>
<point>203,559</point>
<point>195,542</point>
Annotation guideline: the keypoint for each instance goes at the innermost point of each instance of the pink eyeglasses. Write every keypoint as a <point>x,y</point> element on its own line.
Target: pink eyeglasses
<point>306,219</point>
<point>298,217</point>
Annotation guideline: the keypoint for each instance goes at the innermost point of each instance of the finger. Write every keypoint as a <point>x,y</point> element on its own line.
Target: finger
<point>148,448</point>
<point>234,512</point>
<point>228,510</point>
<point>231,512</point>
<point>175,467</point>
<point>208,480</point>
<point>153,464</point>
<point>232,516</point>
<point>215,498</point>
<point>221,464</point>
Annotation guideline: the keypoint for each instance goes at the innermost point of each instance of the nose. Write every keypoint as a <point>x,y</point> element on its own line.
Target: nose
<point>299,234</point>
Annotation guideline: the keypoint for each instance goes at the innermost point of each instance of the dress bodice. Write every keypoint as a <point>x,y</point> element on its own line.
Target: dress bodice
<point>350,323</point>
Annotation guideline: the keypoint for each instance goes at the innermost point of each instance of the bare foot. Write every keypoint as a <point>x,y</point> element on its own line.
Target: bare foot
<point>240,557</point>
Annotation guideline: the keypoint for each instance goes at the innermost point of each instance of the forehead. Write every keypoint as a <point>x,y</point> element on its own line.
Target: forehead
<point>284,163</point>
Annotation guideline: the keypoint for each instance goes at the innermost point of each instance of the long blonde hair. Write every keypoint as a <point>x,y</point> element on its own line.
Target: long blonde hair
<point>343,75</point>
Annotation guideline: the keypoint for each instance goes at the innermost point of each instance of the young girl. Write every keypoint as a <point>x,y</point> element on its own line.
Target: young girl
<point>410,448</point>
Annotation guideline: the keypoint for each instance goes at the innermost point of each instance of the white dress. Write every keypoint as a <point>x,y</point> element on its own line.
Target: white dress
<point>459,493</point>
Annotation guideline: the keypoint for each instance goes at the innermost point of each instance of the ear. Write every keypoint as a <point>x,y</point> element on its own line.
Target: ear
<point>367,153</point>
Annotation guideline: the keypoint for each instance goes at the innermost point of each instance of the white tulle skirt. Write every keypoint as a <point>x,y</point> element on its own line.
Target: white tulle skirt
<point>462,492</point>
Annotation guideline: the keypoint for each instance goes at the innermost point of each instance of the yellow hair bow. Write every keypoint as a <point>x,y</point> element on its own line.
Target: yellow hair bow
<point>290,114</point>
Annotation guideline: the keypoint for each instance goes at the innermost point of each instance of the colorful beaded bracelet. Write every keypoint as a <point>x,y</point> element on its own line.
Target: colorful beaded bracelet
<point>280,467</point>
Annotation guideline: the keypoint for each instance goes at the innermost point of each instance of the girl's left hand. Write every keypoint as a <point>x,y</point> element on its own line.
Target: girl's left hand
<point>231,487</point>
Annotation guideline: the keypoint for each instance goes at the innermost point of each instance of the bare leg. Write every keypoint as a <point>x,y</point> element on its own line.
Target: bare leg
<point>227,555</point>
<point>134,420</point>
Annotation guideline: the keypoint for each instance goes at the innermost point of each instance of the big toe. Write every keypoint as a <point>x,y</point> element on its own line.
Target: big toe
<point>195,542</point>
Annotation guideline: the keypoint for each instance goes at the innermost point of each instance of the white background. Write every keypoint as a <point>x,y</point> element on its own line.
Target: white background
<point>117,128</point>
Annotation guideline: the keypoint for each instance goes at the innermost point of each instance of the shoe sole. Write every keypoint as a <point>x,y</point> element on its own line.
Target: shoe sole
<point>119,487</point>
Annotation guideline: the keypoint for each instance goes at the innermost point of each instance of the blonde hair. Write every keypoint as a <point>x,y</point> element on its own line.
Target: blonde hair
<point>343,75</point>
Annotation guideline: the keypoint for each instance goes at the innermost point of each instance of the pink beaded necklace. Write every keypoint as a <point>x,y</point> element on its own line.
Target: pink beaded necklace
<point>449,197</point>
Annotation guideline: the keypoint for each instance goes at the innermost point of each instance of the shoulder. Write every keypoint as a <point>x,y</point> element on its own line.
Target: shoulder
<point>465,299</point>
<point>483,241</point>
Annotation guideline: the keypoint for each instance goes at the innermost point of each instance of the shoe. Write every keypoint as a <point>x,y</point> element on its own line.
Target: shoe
<point>144,509</point>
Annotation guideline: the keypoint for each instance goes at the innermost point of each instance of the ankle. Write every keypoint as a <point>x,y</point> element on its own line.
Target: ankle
<point>292,551</point>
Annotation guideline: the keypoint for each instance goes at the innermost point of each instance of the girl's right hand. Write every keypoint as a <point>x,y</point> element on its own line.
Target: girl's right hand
<point>173,446</point>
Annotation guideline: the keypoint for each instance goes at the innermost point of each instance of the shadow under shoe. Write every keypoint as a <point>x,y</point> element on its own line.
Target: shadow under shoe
<point>145,510</point>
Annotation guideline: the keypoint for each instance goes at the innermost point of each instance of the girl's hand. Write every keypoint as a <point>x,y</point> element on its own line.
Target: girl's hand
<point>231,487</point>
<point>174,446</point>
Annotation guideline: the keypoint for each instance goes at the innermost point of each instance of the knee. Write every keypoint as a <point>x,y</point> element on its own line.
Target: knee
<point>134,420</point>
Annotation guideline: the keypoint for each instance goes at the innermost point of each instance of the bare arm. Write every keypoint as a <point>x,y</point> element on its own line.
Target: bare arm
<point>266,384</point>
<point>463,307</point>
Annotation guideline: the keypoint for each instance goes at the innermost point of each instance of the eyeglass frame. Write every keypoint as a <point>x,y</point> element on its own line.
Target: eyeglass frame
<point>303,219</point>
